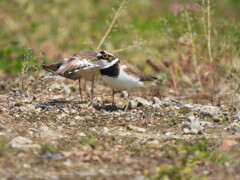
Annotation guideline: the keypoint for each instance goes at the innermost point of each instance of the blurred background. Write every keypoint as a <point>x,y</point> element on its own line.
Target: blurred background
<point>186,43</point>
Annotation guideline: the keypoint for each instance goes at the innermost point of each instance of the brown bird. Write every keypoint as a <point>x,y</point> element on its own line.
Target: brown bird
<point>120,75</point>
<point>80,65</point>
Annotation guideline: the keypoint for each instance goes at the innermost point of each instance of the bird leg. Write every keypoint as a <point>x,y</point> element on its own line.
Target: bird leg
<point>128,101</point>
<point>113,93</point>
<point>80,88</point>
<point>92,90</point>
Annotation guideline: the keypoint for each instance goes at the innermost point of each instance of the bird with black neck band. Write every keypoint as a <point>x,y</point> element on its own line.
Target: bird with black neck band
<point>120,75</point>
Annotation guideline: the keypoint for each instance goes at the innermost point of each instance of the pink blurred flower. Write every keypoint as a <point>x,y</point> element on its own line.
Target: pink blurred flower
<point>175,7</point>
<point>192,6</point>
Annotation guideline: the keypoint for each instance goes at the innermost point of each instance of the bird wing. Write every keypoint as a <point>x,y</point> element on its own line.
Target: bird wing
<point>52,67</point>
<point>73,65</point>
<point>69,67</point>
<point>135,72</point>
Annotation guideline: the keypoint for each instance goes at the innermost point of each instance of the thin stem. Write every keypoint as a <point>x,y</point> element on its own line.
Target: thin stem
<point>129,47</point>
<point>209,31</point>
<point>191,38</point>
<point>112,23</point>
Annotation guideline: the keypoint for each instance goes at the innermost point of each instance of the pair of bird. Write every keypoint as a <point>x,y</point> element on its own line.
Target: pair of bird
<point>115,73</point>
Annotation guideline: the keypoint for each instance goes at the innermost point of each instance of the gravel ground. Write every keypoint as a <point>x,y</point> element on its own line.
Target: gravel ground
<point>47,133</point>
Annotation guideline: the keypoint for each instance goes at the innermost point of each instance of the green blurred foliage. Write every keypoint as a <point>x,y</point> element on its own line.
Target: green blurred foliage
<point>60,27</point>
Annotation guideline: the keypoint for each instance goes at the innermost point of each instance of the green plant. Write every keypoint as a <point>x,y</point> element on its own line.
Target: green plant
<point>4,149</point>
<point>47,148</point>
<point>91,142</point>
<point>173,120</point>
<point>183,159</point>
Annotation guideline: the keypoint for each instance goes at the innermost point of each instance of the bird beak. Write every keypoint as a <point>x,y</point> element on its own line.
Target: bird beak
<point>99,55</point>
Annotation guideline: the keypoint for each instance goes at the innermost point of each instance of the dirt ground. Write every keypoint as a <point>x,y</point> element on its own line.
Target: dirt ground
<point>46,132</point>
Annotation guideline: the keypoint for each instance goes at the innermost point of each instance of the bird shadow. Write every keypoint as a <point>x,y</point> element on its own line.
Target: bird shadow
<point>55,102</point>
<point>107,108</point>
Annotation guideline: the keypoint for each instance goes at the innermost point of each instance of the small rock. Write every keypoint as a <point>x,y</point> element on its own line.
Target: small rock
<point>66,89</point>
<point>141,130</point>
<point>155,141</point>
<point>192,126</point>
<point>237,129</point>
<point>46,133</point>
<point>147,116</point>
<point>228,143</point>
<point>26,165</point>
<point>105,130</point>
<point>217,118</point>
<point>238,115</point>
<point>207,110</point>
<point>79,118</point>
<point>132,104</point>
<point>156,106</point>
<point>82,134</point>
<point>206,123</point>
<point>142,102</point>
<point>87,118</point>
<point>30,107</point>
<point>2,134</point>
<point>206,172</point>
<point>156,100</point>
<point>135,128</point>
<point>139,102</point>
<point>52,156</point>
<point>22,143</point>
<point>60,116</point>
<point>168,133</point>
<point>124,94</point>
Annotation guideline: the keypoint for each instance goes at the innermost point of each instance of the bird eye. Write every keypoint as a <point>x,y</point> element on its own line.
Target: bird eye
<point>105,56</point>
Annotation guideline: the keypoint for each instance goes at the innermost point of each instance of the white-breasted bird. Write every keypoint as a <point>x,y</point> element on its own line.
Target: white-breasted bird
<point>120,75</point>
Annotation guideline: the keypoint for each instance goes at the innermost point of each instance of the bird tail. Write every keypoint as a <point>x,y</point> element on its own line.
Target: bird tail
<point>52,67</point>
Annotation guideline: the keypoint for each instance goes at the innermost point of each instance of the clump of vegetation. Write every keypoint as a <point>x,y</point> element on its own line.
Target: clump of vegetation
<point>4,149</point>
<point>184,158</point>
<point>48,148</point>
<point>173,120</point>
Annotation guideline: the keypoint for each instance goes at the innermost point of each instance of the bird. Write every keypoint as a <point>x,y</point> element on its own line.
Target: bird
<point>82,65</point>
<point>120,75</point>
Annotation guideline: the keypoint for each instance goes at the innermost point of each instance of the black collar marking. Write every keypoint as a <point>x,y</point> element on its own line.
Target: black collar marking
<point>112,71</point>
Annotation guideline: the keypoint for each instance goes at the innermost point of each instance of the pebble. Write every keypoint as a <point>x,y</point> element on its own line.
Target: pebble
<point>139,102</point>
<point>26,165</point>
<point>79,118</point>
<point>22,143</point>
<point>30,107</point>
<point>105,130</point>
<point>168,133</point>
<point>155,141</point>
<point>2,134</point>
<point>60,116</point>
<point>82,134</point>
<point>156,106</point>
<point>46,133</point>
<point>135,128</point>
<point>192,126</point>
<point>52,156</point>
<point>157,101</point>
<point>207,110</point>
<point>237,129</point>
